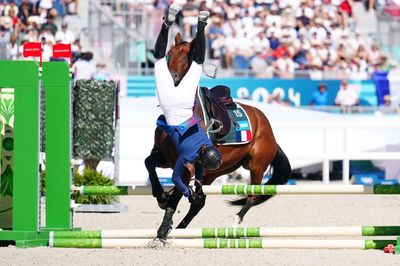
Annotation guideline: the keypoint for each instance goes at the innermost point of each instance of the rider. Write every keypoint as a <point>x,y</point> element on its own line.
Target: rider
<point>177,104</point>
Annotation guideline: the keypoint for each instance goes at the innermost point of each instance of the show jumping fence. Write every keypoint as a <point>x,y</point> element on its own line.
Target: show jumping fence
<point>229,232</point>
<point>58,231</point>
<point>250,189</point>
<point>223,243</point>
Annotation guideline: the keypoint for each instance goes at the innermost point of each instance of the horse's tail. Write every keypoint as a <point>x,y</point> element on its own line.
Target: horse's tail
<point>280,176</point>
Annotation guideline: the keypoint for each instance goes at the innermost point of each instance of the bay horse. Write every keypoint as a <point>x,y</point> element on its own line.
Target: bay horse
<point>255,156</point>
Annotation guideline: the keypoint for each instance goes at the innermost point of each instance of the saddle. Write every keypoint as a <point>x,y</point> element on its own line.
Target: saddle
<point>217,101</point>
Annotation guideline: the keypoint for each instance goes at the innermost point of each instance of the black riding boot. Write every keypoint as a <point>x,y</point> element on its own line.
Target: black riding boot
<point>200,43</point>
<point>162,41</point>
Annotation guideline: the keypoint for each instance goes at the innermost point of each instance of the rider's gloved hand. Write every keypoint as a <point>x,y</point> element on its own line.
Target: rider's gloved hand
<point>194,198</point>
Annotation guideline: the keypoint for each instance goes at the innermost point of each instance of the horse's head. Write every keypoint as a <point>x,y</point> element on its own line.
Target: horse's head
<point>180,57</point>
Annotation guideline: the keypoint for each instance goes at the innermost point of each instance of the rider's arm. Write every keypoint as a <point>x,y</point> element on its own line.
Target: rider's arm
<point>177,176</point>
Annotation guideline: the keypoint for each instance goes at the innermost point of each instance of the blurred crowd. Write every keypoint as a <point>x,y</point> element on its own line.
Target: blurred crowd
<point>35,21</point>
<point>275,38</point>
<point>44,21</point>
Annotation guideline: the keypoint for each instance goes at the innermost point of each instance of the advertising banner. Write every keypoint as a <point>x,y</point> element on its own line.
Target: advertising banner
<point>297,92</point>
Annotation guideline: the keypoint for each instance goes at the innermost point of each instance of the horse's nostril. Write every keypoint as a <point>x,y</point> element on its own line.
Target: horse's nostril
<point>176,75</point>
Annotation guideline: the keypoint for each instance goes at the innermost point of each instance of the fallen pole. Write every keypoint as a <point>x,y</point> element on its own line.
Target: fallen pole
<point>222,243</point>
<point>250,190</point>
<point>235,232</point>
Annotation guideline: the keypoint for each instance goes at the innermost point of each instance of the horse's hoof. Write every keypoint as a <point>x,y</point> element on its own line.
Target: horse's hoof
<point>157,243</point>
<point>236,221</point>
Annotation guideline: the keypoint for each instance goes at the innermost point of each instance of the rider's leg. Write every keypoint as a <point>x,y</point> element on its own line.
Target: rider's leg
<point>200,40</point>
<point>162,39</point>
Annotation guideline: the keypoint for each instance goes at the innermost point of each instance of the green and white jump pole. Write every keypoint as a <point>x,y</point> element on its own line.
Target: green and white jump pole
<point>250,190</point>
<point>223,243</point>
<point>234,232</point>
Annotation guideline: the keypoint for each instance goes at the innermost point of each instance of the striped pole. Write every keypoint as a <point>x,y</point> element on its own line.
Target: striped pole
<point>235,232</point>
<point>250,190</point>
<point>222,243</point>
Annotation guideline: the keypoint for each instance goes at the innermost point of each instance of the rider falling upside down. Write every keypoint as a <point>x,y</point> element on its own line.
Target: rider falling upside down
<point>176,98</point>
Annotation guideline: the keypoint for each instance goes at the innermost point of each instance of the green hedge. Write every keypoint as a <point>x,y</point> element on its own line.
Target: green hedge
<point>93,119</point>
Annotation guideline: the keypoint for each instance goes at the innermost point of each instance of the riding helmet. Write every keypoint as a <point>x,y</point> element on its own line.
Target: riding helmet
<point>210,157</point>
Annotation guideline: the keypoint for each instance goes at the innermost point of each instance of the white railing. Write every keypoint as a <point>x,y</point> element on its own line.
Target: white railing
<point>345,156</point>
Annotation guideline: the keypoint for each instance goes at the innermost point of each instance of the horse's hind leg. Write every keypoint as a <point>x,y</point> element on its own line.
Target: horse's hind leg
<point>256,178</point>
<point>151,163</point>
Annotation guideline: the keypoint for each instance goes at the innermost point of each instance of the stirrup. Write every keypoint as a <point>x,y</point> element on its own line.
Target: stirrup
<point>218,123</point>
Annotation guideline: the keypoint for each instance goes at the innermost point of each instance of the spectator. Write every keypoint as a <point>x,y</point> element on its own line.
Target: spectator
<point>48,36</point>
<point>376,59</point>
<point>72,6</point>
<point>50,25</point>
<point>45,4</point>
<point>346,98</point>
<point>47,50</point>
<point>24,14</point>
<point>189,12</point>
<point>102,72</point>
<point>261,43</point>
<point>320,97</point>
<point>260,66</point>
<point>65,35</point>
<point>5,36</point>
<point>84,68</point>
<point>11,7</point>
<point>388,107</point>
<point>284,66</point>
<point>244,52</point>
<point>273,40</point>
<point>13,48</point>
<point>215,34</point>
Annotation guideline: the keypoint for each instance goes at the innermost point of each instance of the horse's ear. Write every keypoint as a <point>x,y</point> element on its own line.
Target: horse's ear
<point>178,38</point>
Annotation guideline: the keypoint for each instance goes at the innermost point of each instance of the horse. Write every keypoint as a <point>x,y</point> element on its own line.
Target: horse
<point>254,156</point>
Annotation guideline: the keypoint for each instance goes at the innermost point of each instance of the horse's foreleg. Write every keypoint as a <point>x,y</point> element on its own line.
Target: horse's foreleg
<point>166,224</point>
<point>193,211</point>
<point>151,163</point>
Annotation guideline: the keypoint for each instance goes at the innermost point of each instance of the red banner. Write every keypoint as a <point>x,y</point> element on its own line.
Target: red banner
<point>33,49</point>
<point>62,50</point>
